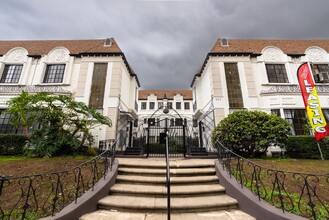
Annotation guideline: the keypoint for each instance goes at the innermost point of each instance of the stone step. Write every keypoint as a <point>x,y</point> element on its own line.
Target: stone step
<point>162,179</point>
<point>175,190</point>
<point>161,163</point>
<point>180,204</point>
<point>216,215</point>
<point>175,171</point>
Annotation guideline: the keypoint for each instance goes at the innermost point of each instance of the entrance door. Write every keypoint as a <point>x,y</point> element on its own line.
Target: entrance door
<point>156,137</point>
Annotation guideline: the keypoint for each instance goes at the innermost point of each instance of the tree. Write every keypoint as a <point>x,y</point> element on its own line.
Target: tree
<point>64,124</point>
<point>251,132</point>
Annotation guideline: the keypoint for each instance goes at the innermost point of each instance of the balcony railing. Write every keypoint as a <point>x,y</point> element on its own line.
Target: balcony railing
<point>290,89</point>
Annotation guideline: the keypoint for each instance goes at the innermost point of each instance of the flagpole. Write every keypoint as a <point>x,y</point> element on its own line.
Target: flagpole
<point>320,150</point>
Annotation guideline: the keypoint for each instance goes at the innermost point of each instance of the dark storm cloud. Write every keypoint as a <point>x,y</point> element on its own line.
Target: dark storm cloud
<point>165,41</point>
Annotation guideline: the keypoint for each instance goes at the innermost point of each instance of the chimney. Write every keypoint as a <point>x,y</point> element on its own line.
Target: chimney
<point>224,42</point>
<point>107,42</point>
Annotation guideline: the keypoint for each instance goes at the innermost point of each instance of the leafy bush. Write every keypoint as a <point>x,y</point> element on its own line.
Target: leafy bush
<point>12,144</point>
<point>305,147</point>
<point>250,133</point>
<point>64,124</point>
<point>91,151</point>
<point>42,144</point>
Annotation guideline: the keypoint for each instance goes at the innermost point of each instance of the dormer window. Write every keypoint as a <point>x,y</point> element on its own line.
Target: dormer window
<point>54,73</point>
<point>11,74</point>
<point>276,73</point>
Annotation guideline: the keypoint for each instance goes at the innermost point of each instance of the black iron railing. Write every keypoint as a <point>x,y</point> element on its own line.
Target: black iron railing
<point>300,193</point>
<point>168,176</point>
<point>41,195</point>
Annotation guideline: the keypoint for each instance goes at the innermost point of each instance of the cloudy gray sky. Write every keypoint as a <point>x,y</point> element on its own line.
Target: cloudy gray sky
<point>165,41</point>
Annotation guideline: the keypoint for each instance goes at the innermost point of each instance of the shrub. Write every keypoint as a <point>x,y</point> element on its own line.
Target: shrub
<point>305,147</point>
<point>65,125</point>
<point>91,151</point>
<point>250,133</point>
<point>12,144</point>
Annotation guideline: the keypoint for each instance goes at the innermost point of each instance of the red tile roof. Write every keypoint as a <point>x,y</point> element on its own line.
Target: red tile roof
<point>42,47</point>
<point>187,94</point>
<point>256,46</point>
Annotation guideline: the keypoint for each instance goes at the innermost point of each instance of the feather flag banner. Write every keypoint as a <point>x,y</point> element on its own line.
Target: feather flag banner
<point>312,102</point>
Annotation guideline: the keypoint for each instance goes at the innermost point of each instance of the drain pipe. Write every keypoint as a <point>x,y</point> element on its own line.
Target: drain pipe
<point>168,177</point>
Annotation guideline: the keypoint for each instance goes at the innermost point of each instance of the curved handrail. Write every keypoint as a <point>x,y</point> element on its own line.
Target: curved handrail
<point>301,193</point>
<point>40,195</point>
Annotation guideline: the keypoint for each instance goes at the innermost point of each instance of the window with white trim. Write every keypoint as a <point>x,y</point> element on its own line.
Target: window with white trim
<point>11,74</point>
<point>276,73</point>
<point>296,118</point>
<point>54,73</point>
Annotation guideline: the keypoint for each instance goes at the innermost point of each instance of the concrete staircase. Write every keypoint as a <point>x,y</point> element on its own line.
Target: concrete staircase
<point>140,192</point>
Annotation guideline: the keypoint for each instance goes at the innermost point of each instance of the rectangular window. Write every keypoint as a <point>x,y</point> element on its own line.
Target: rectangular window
<point>178,122</point>
<point>186,105</point>
<point>178,105</point>
<point>98,86</point>
<point>11,74</point>
<point>233,85</point>
<point>276,112</point>
<point>151,121</point>
<point>195,123</point>
<point>297,118</point>
<point>143,105</point>
<point>136,123</point>
<point>152,104</point>
<point>54,73</point>
<point>172,122</point>
<point>160,104</point>
<point>5,126</point>
<point>276,73</point>
<point>169,105</point>
<point>320,72</point>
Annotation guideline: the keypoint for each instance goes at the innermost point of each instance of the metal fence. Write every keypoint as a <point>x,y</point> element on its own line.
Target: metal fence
<point>41,195</point>
<point>300,193</point>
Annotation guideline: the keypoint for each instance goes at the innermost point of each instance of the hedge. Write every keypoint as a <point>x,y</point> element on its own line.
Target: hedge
<point>305,147</point>
<point>11,144</point>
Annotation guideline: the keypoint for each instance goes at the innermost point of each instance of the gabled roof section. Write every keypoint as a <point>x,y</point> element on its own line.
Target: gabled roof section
<point>239,47</point>
<point>169,94</point>
<point>42,47</point>
<point>78,48</point>
<point>290,47</point>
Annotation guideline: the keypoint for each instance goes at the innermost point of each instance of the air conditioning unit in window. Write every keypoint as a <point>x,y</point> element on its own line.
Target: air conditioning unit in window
<point>324,77</point>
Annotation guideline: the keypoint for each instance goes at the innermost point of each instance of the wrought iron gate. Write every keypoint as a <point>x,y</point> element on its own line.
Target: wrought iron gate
<point>156,134</point>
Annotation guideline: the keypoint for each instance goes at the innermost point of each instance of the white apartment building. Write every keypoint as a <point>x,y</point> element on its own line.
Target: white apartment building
<point>236,74</point>
<point>95,72</point>
<point>260,75</point>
